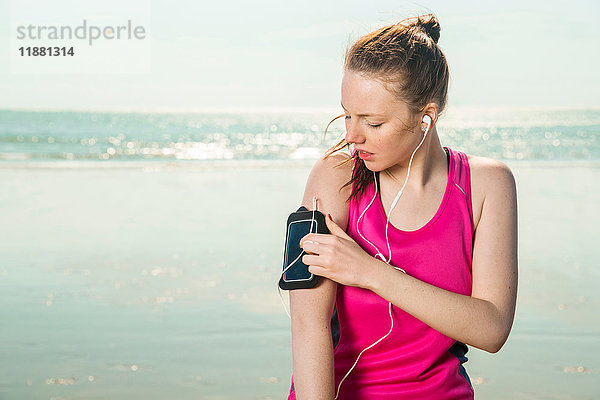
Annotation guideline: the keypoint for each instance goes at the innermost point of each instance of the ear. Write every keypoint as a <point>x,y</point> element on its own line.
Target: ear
<point>432,110</point>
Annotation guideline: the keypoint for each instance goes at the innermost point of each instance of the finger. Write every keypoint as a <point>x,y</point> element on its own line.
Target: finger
<point>310,259</point>
<point>311,247</point>
<point>308,236</point>
<point>315,237</point>
<point>335,228</point>
<point>316,270</point>
<point>310,243</point>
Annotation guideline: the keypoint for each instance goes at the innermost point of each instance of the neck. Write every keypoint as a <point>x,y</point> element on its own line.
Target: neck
<point>427,161</point>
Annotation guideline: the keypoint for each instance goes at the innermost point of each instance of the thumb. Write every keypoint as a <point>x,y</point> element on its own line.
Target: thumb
<point>335,228</point>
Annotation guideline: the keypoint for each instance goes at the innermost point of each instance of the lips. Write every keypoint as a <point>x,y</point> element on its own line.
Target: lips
<point>364,155</point>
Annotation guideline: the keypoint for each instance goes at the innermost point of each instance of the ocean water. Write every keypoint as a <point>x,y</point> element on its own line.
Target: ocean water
<point>151,273</point>
<point>511,134</point>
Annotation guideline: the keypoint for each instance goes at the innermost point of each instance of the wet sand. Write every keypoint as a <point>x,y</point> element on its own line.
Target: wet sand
<point>153,281</point>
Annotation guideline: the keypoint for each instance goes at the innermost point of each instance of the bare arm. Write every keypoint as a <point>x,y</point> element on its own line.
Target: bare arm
<point>311,309</point>
<point>485,318</point>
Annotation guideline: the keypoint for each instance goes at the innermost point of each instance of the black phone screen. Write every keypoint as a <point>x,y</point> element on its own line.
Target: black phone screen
<point>297,230</point>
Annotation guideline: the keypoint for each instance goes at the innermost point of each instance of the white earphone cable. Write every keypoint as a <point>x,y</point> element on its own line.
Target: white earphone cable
<point>379,252</point>
<point>312,222</point>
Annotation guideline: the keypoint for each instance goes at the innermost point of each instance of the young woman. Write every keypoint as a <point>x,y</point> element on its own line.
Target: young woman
<point>422,256</point>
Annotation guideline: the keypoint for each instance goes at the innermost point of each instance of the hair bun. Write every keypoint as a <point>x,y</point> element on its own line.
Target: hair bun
<point>430,25</point>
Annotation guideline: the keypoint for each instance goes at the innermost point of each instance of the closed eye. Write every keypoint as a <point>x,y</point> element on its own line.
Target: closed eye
<point>347,117</point>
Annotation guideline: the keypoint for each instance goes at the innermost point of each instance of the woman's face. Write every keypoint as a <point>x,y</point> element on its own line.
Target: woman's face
<point>377,122</point>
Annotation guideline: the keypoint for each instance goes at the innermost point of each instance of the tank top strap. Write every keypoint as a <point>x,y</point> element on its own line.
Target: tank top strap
<point>461,176</point>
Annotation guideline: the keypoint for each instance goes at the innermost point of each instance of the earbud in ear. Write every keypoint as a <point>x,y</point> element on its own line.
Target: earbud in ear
<point>426,120</point>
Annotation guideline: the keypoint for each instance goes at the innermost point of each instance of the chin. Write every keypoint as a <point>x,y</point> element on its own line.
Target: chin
<point>373,167</point>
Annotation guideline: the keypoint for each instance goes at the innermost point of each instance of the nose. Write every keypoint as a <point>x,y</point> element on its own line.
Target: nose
<point>353,133</point>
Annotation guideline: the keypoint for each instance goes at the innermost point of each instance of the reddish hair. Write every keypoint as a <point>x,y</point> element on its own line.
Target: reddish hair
<point>405,57</point>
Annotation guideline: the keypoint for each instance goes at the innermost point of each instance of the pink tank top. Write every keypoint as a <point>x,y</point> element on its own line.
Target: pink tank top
<point>415,361</point>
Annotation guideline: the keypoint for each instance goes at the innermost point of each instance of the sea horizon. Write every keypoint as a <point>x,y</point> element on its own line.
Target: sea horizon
<point>509,133</point>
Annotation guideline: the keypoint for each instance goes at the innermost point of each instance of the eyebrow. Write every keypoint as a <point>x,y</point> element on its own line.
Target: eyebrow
<point>364,115</point>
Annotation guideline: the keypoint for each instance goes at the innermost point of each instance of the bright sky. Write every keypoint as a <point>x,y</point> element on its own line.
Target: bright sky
<point>283,54</point>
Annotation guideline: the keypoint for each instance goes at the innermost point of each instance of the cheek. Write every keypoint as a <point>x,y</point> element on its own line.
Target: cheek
<point>398,138</point>
<point>389,140</point>
<point>394,146</point>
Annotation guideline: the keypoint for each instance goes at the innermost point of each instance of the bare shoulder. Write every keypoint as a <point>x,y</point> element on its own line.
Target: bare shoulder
<point>332,169</point>
<point>326,181</point>
<point>489,178</point>
<point>487,171</point>
<point>315,306</point>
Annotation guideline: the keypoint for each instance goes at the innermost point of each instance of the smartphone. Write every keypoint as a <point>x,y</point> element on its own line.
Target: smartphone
<point>300,224</point>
